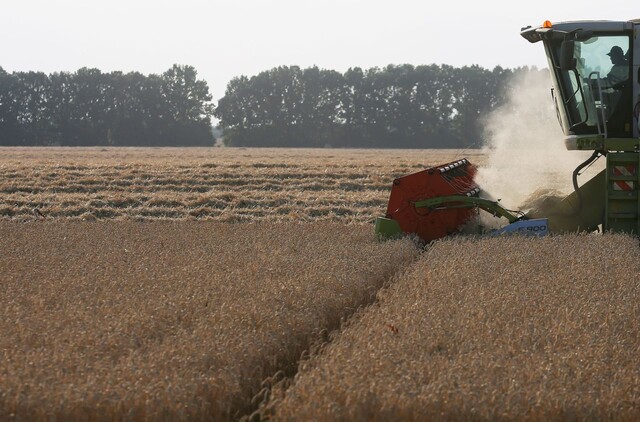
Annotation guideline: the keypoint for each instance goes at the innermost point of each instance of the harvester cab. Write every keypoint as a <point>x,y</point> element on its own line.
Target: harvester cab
<point>595,74</point>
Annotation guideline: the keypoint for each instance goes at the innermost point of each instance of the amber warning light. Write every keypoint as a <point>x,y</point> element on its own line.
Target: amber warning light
<point>547,24</point>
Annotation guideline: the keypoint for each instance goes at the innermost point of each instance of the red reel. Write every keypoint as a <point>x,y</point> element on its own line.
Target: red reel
<point>455,178</point>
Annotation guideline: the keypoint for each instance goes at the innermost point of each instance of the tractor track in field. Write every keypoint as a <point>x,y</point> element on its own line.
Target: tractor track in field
<point>262,403</point>
<point>173,320</point>
<point>490,328</point>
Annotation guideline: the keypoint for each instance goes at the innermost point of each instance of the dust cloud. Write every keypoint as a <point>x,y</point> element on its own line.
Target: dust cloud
<point>524,146</point>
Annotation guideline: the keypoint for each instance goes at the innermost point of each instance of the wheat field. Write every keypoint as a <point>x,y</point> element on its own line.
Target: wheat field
<point>488,329</point>
<point>171,321</point>
<point>218,283</point>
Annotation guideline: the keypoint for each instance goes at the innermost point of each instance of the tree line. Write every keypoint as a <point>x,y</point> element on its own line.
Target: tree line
<point>434,106</point>
<point>404,106</point>
<point>89,107</point>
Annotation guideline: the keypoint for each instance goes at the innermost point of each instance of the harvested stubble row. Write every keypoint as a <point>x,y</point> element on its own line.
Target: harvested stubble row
<point>225,184</point>
<point>492,329</point>
<point>170,321</point>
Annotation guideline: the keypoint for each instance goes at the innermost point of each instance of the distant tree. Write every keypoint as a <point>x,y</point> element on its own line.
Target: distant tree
<point>396,106</point>
<point>189,107</point>
<point>11,130</point>
<point>135,116</point>
<point>88,107</point>
<point>78,107</point>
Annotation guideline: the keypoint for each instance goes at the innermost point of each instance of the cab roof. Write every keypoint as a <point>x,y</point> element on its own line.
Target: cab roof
<point>536,34</point>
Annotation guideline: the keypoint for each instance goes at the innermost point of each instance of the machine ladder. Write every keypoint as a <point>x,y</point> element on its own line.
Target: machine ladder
<point>622,212</point>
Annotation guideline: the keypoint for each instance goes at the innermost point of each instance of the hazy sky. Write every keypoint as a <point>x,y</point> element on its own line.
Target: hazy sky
<point>223,39</point>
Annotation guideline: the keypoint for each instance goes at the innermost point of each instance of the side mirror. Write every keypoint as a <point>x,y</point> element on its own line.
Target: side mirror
<point>567,61</point>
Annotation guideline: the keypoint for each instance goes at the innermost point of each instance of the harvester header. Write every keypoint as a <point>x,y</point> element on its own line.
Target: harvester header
<point>445,200</point>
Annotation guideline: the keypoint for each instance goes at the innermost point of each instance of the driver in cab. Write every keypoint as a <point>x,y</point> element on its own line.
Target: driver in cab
<point>619,73</point>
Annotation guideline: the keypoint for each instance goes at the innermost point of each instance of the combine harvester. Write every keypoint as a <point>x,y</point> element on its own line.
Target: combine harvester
<point>595,70</point>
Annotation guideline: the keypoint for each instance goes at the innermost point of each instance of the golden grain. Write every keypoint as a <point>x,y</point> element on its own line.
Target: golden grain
<point>492,329</point>
<point>165,316</point>
<point>170,321</point>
